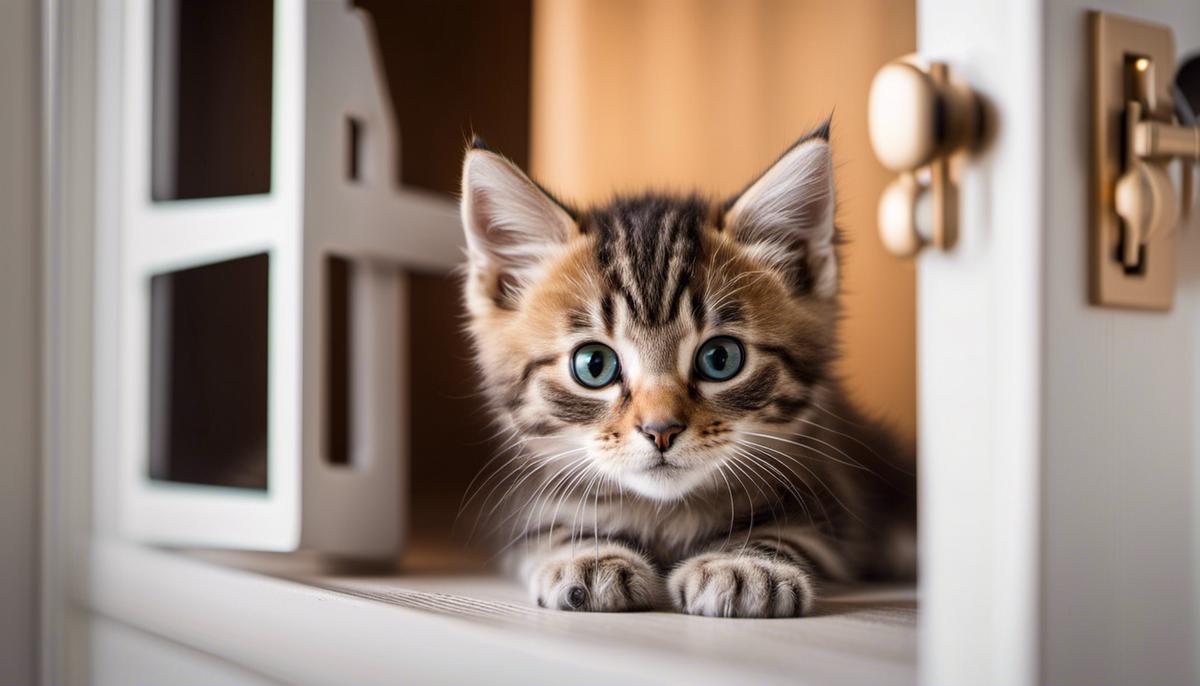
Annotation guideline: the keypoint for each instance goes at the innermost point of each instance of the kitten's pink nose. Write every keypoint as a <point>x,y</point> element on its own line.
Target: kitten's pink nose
<point>661,434</point>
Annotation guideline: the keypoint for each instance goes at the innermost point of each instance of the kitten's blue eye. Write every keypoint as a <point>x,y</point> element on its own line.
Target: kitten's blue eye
<point>594,365</point>
<point>720,358</point>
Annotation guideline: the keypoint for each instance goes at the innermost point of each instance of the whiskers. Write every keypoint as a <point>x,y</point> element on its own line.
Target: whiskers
<point>533,493</point>
<point>511,475</point>
<point>789,461</point>
<point>808,458</point>
<point>848,461</point>
<point>894,463</point>
<point>534,496</point>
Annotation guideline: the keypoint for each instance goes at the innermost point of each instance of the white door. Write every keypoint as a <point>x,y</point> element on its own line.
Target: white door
<point>1060,440</point>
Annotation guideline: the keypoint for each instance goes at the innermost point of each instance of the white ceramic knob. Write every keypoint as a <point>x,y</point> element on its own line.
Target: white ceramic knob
<point>904,217</point>
<point>917,117</point>
<point>915,114</point>
<point>901,112</point>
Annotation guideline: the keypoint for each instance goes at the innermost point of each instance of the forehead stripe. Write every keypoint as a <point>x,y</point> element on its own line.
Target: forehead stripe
<point>699,312</point>
<point>729,312</point>
<point>606,313</point>
<point>673,310</point>
<point>647,247</point>
<point>578,320</point>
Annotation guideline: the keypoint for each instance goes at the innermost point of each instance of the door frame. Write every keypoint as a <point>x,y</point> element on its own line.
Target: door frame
<point>71,202</point>
<point>980,351</point>
<point>982,328</point>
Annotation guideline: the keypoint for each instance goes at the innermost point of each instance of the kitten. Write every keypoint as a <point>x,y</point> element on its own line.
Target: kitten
<point>665,367</point>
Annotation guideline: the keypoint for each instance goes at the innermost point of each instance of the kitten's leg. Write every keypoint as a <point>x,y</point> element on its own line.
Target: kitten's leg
<point>591,575</point>
<point>770,574</point>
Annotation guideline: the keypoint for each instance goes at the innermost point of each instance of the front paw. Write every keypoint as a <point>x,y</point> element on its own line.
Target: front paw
<point>609,579</point>
<point>724,585</point>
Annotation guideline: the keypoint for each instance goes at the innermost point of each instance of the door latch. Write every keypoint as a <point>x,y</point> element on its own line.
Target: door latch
<point>919,119</point>
<point>1135,137</point>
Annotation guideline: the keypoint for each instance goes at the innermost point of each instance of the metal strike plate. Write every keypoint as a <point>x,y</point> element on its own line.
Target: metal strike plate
<point>1117,44</point>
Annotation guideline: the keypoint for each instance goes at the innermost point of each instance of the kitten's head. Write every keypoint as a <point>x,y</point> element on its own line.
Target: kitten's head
<point>647,338</point>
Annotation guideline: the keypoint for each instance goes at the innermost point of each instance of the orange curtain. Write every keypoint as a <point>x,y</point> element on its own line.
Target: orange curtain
<point>682,94</point>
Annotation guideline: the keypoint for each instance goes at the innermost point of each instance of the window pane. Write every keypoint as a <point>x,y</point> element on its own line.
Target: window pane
<point>208,374</point>
<point>338,373</point>
<point>212,98</point>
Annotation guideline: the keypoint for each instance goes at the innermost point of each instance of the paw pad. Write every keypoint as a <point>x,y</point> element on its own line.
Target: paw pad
<point>576,597</point>
<point>611,579</point>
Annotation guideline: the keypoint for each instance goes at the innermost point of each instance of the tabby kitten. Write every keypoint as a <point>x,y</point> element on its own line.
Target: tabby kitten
<point>664,367</point>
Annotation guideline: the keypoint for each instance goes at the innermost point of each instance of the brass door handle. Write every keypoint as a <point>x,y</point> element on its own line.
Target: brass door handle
<point>918,119</point>
<point>1135,203</point>
<point>1144,196</point>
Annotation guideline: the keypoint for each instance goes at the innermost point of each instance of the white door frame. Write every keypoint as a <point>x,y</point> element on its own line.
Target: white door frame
<point>979,362</point>
<point>71,201</point>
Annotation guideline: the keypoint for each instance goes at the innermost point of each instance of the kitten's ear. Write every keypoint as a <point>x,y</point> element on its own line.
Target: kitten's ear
<point>510,222</point>
<point>786,216</point>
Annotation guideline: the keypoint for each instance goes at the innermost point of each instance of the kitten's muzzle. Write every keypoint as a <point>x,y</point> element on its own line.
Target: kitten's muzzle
<point>661,434</point>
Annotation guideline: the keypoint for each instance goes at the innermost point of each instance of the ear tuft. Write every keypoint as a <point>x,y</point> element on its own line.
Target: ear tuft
<point>477,143</point>
<point>511,225</point>
<point>786,216</point>
<point>819,131</point>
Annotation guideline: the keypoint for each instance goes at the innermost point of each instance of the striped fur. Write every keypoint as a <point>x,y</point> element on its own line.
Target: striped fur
<point>773,483</point>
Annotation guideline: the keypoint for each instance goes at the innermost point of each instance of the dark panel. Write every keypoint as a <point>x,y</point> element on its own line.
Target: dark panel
<point>338,345</point>
<point>453,67</point>
<point>212,98</point>
<point>354,144</point>
<point>208,374</point>
<point>451,432</point>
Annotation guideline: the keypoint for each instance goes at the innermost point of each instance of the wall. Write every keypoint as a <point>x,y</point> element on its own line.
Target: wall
<point>676,95</point>
<point>1121,574</point>
<point>20,255</point>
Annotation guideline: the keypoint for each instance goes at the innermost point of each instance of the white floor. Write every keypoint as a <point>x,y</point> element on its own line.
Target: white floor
<point>294,621</point>
<point>858,635</point>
